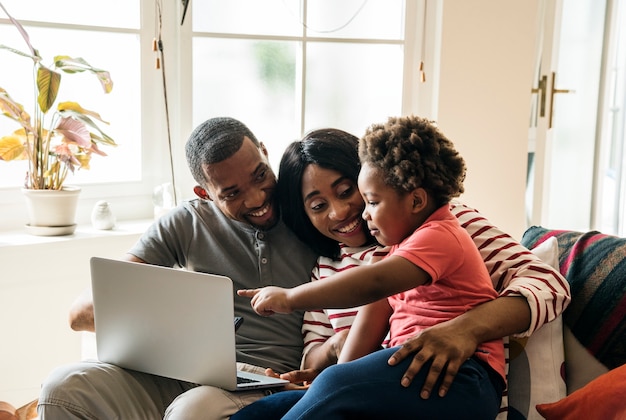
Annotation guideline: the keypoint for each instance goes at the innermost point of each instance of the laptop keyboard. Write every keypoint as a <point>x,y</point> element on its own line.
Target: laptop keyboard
<point>241,380</point>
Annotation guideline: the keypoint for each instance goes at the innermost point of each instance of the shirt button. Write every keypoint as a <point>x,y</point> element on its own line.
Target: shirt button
<point>261,236</point>
<point>263,260</point>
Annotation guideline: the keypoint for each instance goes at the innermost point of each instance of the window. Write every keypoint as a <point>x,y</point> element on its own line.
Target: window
<point>286,67</point>
<point>283,67</point>
<point>110,37</point>
<point>113,45</point>
<point>611,195</point>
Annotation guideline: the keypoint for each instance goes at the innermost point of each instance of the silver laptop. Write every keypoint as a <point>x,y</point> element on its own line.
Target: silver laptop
<point>168,322</point>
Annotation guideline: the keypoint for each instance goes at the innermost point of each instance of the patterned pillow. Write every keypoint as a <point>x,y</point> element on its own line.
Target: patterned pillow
<point>536,363</point>
<point>580,366</point>
<point>594,264</point>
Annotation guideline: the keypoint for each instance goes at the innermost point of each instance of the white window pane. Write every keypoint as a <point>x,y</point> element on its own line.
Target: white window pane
<point>575,115</point>
<point>267,17</point>
<point>355,91</point>
<point>613,167</point>
<point>252,81</point>
<point>382,19</point>
<point>121,108</point>
<point>112,13</point>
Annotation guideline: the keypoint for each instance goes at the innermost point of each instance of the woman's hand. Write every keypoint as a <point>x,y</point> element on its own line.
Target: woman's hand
<point>298,379</point>
<point>268,300</point>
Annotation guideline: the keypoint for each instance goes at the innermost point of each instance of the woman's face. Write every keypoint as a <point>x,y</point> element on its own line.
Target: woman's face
<point>334,205</point>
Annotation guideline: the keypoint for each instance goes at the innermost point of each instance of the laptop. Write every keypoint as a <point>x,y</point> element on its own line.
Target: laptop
<point>168,322</point>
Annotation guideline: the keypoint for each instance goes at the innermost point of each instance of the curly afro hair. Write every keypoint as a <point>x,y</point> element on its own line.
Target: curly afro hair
<point>411,153</point>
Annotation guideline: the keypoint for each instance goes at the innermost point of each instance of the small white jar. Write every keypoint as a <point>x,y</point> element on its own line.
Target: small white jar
<point>102,217</point>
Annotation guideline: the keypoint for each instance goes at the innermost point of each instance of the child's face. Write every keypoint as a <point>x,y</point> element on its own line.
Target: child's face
<point>388,214</point>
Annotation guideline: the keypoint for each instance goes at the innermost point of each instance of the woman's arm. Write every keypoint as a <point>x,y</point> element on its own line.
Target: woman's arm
<point>368,331</point>
<point>515,271</point>
<point>327,353</point>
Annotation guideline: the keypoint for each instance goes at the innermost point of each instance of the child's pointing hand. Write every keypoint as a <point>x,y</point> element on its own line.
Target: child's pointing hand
<point>268,300</point>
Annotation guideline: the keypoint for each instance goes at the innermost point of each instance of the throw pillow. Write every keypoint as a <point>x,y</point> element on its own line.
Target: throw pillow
<point>600,399</point>
<point>594,265</point>
<point>580,366</point>
<point>536,363</point>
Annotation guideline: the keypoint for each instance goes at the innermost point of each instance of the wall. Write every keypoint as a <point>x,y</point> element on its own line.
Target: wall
<point>41,276</point>
<point>486,61</point>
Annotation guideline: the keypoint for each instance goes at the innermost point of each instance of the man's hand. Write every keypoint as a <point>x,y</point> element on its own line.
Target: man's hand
<point>452,342</point>
<point>268,300</point>
<point>447,347</point>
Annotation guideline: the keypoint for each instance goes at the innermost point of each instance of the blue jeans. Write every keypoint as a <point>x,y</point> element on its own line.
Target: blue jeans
<point>368,388</point>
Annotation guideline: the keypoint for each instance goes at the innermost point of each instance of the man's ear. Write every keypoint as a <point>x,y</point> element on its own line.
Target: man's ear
<point>263,149</point>
<point>420,199</point>
<point>202,193</point>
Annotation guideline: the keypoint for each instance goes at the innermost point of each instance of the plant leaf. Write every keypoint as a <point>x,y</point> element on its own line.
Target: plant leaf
<point>95,149</point>
<point>76,65</point>
<point>48,83</point>
<point>12,148</point>
<point>105,139</point>
<point>66,154</point>
<point>13,110</point>
<point>74,131</point>
<point>76,108</point>
<point>22,31</point>
<point>18,52</point>
<point>84,160</point>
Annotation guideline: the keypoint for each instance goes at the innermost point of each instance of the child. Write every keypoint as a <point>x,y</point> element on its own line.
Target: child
<point>433,272</point>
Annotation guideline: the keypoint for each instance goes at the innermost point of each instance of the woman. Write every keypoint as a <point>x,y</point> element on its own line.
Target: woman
<point>321,203</point>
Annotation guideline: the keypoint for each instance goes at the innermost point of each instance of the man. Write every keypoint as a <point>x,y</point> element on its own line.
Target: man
<point>233,229</point>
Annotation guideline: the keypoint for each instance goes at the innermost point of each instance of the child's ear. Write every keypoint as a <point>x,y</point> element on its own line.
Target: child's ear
<point>420,199</point>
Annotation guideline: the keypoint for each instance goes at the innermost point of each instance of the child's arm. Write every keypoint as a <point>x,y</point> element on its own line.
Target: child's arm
<point>367,332</point>
<point>350,288</point>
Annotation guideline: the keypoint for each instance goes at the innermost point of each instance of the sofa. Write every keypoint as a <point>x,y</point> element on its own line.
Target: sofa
<point>574,367</point>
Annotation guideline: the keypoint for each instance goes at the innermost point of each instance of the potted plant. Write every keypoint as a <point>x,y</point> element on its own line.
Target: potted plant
<point>57,139</point>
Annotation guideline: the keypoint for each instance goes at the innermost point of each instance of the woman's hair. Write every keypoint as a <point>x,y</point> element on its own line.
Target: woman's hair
<point>328,148</point>
<point>411,152</point>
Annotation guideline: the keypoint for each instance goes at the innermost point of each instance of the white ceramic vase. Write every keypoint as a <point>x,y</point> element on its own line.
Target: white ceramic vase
<point>102,216</point>
<point>51,212</point>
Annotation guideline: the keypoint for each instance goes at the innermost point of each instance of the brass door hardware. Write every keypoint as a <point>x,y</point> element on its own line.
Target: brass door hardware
<point>541,88</point>
<point>553,91</point>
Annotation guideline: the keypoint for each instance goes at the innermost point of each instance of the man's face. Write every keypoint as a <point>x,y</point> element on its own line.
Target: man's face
<point>243,185</point>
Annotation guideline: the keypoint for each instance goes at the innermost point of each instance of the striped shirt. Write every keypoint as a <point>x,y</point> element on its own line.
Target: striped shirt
<point>514,271</point>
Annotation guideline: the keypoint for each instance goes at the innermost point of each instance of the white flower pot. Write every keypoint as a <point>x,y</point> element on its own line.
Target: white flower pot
<point>51,212</point>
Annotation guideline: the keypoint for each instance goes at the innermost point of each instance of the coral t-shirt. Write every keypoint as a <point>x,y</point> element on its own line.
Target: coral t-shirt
<point>459,282</point>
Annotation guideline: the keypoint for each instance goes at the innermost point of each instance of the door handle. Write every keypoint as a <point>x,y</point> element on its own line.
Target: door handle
<point>554,91</point>
<point>541,89</point>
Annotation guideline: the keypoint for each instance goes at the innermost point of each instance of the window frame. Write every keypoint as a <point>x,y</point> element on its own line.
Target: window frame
<point>133,200</point>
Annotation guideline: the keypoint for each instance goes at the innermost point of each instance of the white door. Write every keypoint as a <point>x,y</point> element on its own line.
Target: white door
<point>563,118</point>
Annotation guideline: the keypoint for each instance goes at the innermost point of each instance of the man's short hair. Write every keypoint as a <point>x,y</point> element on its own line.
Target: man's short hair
<point>213,141</point>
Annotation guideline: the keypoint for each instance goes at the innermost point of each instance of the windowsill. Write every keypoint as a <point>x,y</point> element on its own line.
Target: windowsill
<point>21,237</point>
